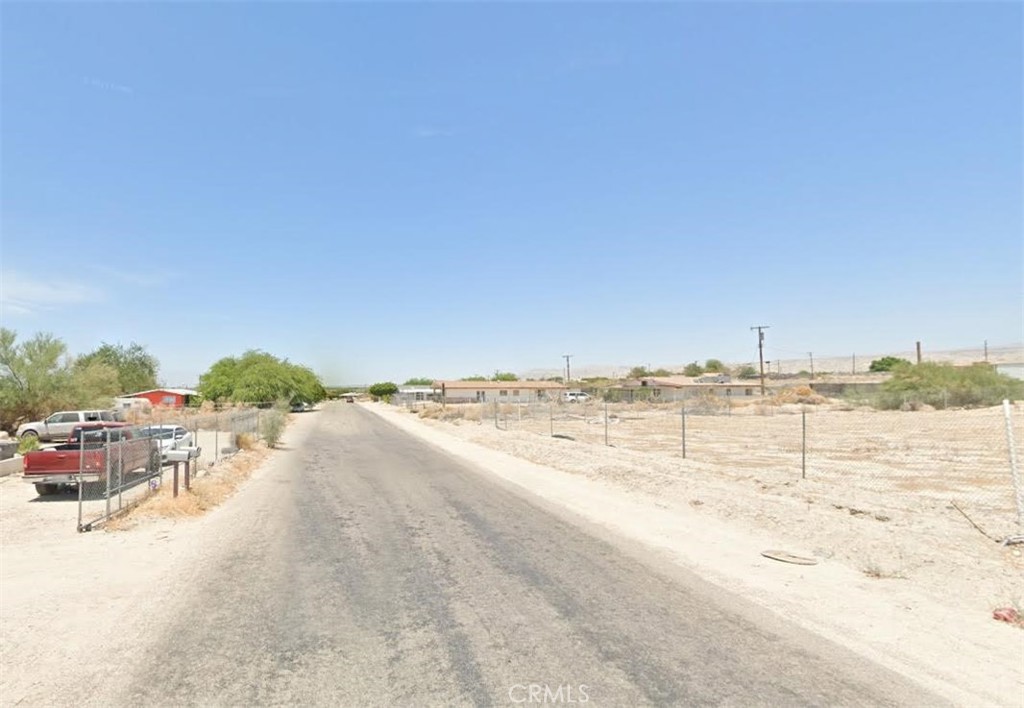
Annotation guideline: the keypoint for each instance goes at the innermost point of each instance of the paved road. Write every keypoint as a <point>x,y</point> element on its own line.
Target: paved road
<point>383,572</point>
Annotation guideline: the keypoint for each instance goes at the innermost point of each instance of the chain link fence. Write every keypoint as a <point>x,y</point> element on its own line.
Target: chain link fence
<point>117,467</point>
<point>890,459</point>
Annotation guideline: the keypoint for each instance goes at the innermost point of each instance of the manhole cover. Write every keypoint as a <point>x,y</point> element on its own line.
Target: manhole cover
<point>787,557</point>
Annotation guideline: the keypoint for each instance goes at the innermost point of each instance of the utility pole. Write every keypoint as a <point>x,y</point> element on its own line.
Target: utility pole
<point>854,364</point>
<point>568,376</point>
<point>760,350</point>
<point>811,354</point>
<point>986,351</point>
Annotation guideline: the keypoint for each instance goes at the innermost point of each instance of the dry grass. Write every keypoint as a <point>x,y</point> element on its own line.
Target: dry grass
<point>799,394</point>
<point>245,441</point>
<point>876,571</point>
<point>210,489</point>
<point>452,413</point>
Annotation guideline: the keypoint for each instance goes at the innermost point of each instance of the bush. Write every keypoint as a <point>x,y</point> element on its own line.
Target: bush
<point>693,369</point>
<point>887,363</point>
<point>245,441</point>
<point>715,366</point>
<point>383,390</point>
<point>944,386</point>
<point>28,445</point>
<point>747,372</point>
<point>272,427</point>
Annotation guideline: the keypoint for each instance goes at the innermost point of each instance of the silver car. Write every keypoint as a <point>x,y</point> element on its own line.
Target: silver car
<point>59,425</point>
<point>170,437</point>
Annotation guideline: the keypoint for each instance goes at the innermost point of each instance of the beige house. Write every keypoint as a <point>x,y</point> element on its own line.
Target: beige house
<point>500,391</point>
<point>678,388</point>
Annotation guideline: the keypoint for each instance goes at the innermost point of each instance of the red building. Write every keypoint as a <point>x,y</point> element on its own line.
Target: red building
<point>166,397</point>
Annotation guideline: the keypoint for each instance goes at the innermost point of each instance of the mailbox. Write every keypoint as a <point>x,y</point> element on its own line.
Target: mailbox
<point>182,454</point>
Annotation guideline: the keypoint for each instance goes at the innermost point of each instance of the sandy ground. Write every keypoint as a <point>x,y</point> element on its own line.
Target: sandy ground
<point>66,598</point>
<point>906,582</point>
<point>73,605</point>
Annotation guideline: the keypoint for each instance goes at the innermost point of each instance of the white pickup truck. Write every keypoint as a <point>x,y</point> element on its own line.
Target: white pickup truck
<point>59,425</point>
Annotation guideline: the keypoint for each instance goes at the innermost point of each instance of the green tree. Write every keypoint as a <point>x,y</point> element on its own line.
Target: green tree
<point>421,381</point>
<point>95,385</point>
<point>504,376</point>
<point>259,377</point>
<point>886,363</point>
<point>383,390</point>
<point>474,378</point>
<point>747,372</point>
<point>135,367</point>
<point>35,378</point>
<point>714,366</point>
<point>693,369</point>
<point>639,372</point>
<point>944,385</point>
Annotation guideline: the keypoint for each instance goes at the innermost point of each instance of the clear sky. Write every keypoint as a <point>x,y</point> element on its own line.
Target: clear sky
<point>391,190</point>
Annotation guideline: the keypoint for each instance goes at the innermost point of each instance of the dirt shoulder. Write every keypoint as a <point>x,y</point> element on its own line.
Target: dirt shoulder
<point>75,606</point>
<point>912,591</point>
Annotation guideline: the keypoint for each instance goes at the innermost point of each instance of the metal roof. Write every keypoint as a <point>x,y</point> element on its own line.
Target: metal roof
<point>176,391</point>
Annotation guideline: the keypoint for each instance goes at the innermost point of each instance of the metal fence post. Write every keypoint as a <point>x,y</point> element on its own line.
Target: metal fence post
<point>107,454</point>
<point>216,437</point>
<point>551,418</point>
<point>81,482</point>
<point>120,473</point>
<point>606,423</point>
<point>803,444</point>
<point>683,417</point>
<point>1018,486</point>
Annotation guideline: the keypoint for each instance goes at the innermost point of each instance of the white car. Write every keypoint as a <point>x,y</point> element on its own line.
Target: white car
<point>170,437</point>
<point>575,397</point>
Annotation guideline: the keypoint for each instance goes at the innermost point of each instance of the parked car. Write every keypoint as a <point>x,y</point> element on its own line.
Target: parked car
<point>59,425</point>
<point>575,397</point>
<point>169,437</point>
<point>85,459</point>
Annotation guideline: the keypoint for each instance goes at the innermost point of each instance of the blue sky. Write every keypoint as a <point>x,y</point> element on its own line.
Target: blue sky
<point>384,191</point>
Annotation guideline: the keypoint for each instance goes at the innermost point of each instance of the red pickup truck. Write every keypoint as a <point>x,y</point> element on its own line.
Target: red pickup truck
<point>85,459</point>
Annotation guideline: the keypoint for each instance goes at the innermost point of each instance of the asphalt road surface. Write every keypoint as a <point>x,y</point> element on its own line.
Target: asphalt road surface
<point>381,571</point>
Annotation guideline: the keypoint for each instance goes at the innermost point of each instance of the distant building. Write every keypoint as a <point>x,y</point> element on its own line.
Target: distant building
<point>412,394</point>
<point>1014,370</point>
<point>166,397</point>
<point>713,378</point>
<point>678,388</point>
<point>501,391</point>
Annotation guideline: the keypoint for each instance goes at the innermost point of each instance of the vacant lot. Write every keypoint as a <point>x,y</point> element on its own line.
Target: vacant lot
<point>879,491</point>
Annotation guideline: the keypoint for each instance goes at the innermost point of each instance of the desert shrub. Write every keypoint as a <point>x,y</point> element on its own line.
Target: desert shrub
<point>707,403</point>
<point>384,390</point>
<point>433,411</point>
<point>272,426</point>
<point>747,372</point>
<point>693,369</point>
<point>887,363</point>
<point>472,412</point>
<point>28,445</point>
<point>715,366</point>
<point>798,394</point>
<point>945,386</point>
<point>245,441</point>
